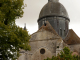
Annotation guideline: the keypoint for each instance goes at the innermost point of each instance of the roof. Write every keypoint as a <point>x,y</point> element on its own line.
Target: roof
<point>49,28</point>
<point>72,38</point>
<point>45,33</point>
<point>53,9</point>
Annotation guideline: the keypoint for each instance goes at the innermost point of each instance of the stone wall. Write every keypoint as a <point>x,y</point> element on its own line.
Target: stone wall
<point>43,44</point>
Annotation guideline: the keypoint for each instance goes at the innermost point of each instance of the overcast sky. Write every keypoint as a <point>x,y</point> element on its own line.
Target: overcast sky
<point>31,14</point>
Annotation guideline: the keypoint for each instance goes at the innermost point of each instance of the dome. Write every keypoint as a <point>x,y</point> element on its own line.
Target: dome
<point>53,9</point>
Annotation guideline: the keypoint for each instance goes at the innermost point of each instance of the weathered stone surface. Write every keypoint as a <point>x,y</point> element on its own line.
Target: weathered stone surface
<point>45,39</point>
<point>43,35</point>
<point>46,43</point>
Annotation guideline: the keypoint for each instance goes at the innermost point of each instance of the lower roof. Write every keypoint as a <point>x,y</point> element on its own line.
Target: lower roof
<point>72,38</point>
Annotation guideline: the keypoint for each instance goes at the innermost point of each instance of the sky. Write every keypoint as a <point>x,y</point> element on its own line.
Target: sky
<point>31,14</point>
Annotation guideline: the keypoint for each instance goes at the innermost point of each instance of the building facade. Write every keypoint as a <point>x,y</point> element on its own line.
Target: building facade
<point>53,34</point>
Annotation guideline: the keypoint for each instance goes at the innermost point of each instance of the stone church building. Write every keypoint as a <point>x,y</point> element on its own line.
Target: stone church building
<point>53,34</point>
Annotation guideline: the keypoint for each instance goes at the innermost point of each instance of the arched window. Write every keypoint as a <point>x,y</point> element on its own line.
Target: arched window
<point>44,22</point>
<point>64,33</point>
<point>60,32</point>
<point>66,25</point>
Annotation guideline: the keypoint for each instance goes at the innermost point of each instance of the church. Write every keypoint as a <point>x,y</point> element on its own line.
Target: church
<point>53,34</point>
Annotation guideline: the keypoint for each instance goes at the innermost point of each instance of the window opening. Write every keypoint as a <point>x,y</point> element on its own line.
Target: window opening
<point>42,51</point>
<point>60,32</point>
<point>64,33</point>
<point>44,22</point>
<point>57,46</point>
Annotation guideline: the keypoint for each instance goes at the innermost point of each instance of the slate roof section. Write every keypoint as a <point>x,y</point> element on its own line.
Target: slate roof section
<point>53,9</point>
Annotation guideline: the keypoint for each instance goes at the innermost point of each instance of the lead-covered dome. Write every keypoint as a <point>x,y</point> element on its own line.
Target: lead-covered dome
<point>56,14</point>
<point>53,8</point>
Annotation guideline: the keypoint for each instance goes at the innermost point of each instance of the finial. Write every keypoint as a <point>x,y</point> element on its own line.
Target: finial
<point>25,26</point>
<point>53,0</point>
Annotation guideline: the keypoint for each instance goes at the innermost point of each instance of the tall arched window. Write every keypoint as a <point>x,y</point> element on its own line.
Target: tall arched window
<point>66,25</point>
<point>44,22</point>
<point>60,32</point>
<point>64,33</point>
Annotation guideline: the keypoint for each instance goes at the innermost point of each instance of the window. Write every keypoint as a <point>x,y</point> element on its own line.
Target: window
<point>60,32</point>
<point>64,33</point>
<point>42,51</point>
<point>44,22</point>
<point>66,25</point>
<point>57,46</point>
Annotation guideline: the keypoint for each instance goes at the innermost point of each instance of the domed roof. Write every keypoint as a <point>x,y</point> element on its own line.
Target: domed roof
<point>53,8</point>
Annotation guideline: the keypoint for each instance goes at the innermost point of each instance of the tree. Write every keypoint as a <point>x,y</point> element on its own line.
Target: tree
<point>12,37</point>
<point>64,55</point>
<point>11,10</point>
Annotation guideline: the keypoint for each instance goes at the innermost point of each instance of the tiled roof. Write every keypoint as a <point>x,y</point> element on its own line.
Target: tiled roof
<point>72,38</point>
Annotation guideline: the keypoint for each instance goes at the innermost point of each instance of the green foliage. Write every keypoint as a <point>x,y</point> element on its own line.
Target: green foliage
<point>12,37</point>
<point>64,55</point>
<point>11,10</point>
